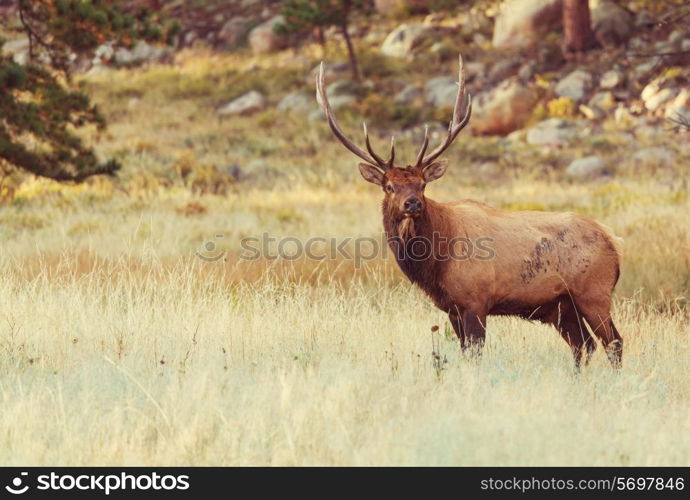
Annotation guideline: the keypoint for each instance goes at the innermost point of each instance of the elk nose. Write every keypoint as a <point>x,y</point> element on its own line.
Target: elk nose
<point>413,204</point>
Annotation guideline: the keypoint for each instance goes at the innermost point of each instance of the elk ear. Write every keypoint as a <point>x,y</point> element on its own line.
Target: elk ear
<point>435,170</point>
<point>371,173</point>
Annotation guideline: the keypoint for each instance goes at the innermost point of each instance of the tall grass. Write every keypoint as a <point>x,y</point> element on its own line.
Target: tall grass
<point>119,346</point>
<point>126,364</point>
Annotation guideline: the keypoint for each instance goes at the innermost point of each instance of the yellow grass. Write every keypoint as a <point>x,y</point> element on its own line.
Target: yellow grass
<point>119,346</point>
<point>118,364</point>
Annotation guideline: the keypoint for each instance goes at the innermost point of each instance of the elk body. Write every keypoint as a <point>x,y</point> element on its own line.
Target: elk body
<point>557,268</point>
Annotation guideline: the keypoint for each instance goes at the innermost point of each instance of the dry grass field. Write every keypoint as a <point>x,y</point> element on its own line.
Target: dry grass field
<point>119,346</point>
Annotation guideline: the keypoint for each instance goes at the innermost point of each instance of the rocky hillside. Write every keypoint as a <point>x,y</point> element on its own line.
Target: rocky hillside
<point>637,77</point>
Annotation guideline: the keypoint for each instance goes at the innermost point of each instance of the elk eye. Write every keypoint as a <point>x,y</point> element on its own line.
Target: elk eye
<point>389,188</point>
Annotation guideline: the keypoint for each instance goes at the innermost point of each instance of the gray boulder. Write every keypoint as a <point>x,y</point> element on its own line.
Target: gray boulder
<point>603,101</point>
<point>503,109</point>
<point>611,23</point>
<point>297,102</point>
<point>679,109</point>
<point>409,95</point>
<point>405,38</point>
<point>141,53</point>
<point>263,38</point>
<point>19,49</point>
<point>587,168</point>
<point>234,32</point>
<point>554,132</point>
<point>504,68</point>
<point>658,92</point>
<point>398,6</point>
<point>521,23</point>
<point>653,157</point>
<point>246,104</point>
<point>575,85</point>
<point>337,102</point>
<point>441,91</point>
<point>611,79</point>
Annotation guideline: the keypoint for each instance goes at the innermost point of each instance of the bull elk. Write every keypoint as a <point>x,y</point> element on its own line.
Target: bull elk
<point>557,268</point>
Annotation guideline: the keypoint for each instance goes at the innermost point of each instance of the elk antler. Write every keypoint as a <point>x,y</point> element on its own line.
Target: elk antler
<point>371,158</point>
<point>455,126</point>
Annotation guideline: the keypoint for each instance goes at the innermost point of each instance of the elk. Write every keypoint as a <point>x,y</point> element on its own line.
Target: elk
<point>557,268</point>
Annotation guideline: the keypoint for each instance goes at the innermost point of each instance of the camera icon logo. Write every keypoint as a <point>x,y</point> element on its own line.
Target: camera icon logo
<point>16,487</point>
<point>209,251</point>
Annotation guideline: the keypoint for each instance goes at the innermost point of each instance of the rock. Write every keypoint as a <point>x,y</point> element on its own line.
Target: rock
<point>403,39</point>
<point>658,92</point>
<point>520,23</point>
<point>517,137</point>
<point>479,39</point>
<point>611,23</point>
<point>623,117</point>
<point>590,113</point>
<point>680,107</point>
<point>343,87</point>
<point>527,71</point>
<point>587,168</point>
<point>504,68</point>
<point>654,157</point>
<point>104,53</point>
<point>503,109</point>
<point>331,72</point>
<point>409,95</point>
<point>248,103</point>
<point>611,79</point>
<point>234,32</point>
<point>141,53</point>
<point>552,132</point>
<point>660,98</point>
<point>399,6</point>
<point>337,102</point>
<point>575,85</point>
<point>442,50</point>
<point>676,37</point>
<point>643,70</point>
<point>441,91</point>
<point>644,20</point>
<point>474,69</point>
<point>298,102</point>
<point>662,47</point>
<point>19,49</point>
<point>263,38</point>
<point>603,101</point>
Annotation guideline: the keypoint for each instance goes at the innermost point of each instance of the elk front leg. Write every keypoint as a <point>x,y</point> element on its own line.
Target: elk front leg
<point>456,321</point>
<point>474,326</point>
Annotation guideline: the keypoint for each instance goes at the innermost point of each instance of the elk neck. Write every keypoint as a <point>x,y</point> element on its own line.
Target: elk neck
<point>414,243</point>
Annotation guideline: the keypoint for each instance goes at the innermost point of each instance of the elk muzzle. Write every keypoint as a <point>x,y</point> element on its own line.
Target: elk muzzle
<point>412,206</point>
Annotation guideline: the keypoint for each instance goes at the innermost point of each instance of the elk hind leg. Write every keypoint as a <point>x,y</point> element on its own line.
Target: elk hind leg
<point>572,328</point>
<point>597,312</point>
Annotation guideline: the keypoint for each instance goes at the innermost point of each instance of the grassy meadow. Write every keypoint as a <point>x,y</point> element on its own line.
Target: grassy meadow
<point>119,346</point>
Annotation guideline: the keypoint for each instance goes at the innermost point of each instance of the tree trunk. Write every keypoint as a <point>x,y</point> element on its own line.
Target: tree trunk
<point>321,38</point>
<point>577,27</point>
<point>354,64</point>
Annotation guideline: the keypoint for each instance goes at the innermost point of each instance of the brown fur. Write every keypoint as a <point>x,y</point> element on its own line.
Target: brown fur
<point>558,268</point>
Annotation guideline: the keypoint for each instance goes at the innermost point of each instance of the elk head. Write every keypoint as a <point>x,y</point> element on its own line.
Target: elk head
<point>403,187</point>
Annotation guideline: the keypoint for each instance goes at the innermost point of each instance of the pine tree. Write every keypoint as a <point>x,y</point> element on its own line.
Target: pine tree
<point>41,108</point>
<point>305,15</point>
